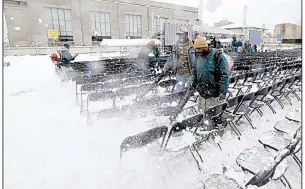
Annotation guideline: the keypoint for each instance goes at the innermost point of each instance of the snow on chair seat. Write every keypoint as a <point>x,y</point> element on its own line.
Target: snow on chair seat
<point>274,139</point>
<point>286,126</point>
<point>294,116</point>
<point>255,159</point>
<point>219,181</point>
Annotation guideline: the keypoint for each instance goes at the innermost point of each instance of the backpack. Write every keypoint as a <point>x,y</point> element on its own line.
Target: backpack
<point>217,65</point>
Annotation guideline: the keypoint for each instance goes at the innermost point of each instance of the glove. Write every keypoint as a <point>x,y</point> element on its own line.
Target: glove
<point>222,97</point>
<point>172,118</point>
<point>189,85</point>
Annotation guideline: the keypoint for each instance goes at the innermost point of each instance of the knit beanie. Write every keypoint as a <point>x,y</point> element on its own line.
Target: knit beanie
<point>200,42</point>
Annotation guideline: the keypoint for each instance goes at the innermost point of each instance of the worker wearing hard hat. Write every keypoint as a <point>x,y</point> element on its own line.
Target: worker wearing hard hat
<point>180,60</point>
<point>148,56</point>
<point>211,74</point>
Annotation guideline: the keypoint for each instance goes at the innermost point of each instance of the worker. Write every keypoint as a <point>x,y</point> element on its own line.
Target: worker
<point>183,53</point>
<point>211,75</point>
<point>148,56</point>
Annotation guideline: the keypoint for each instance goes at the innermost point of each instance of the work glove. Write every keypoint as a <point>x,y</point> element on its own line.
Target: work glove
<point>172,118</point>
<point>222,97</point>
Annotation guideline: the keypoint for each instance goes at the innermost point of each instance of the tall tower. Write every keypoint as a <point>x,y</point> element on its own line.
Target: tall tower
<point>5,34</point>
<point>201,9</point>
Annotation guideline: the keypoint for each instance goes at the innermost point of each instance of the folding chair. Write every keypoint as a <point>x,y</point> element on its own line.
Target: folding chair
<point>233,81</point>
<point>259,78</point>
<point>85,89</point>
<point>212,117</point>
<point>291,89</point>
<point>239,84</point>
<point>278,93</point>
<point>100,96</point>
<point>256,159</point>
<point>229,117</point>
<point>277,140</point>
<point>250,77</point>
<point>167,84</point>
<point>220,181</point>
<point>261,94</point>
<point>243,110</point>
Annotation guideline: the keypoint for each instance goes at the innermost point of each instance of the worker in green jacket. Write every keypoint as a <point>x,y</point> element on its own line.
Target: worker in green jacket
<point>148,56</point>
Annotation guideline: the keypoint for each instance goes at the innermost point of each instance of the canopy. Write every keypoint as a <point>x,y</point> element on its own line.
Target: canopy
<point>213,30</point>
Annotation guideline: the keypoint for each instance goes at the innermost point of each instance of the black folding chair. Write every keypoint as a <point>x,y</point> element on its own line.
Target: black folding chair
<point>277,93</point>
<point>100,96</point>
<point>256,105</point>
<point>228,117</point>
<point>244,109</point>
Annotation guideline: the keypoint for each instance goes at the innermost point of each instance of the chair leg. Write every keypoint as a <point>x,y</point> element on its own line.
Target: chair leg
<point>286,95</point>
<point>260,112</point>
<point>278,101</point>
<point>252,111</point>
<point>246,115</point>
<point>249,120</point>
<point>239,118</point>
<point>195,149</point>
<point>296,95</point>
<point>286,180</point>
<point>271,108</point>
<point>297,160</point>
<point>195,159</point>
<point>234,129</point>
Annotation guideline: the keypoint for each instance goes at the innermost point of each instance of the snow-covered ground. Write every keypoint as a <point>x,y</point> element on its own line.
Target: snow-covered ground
<point>48,144</point>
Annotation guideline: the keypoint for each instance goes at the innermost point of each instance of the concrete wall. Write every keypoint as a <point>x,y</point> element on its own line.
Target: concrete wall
<point>19,51</point>
<point>31,31</point>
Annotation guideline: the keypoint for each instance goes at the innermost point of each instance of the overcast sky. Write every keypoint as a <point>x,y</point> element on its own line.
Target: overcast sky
<point>268,12</point>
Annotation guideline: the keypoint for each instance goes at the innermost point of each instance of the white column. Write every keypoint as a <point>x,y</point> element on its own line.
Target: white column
<point>5,34</point>
<point>201,9</point>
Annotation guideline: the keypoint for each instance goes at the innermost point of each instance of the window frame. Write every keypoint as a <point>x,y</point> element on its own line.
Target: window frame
<point>133,26</point>
<point>100,25</point>
<point>156,23</point>
<point>58,19</point>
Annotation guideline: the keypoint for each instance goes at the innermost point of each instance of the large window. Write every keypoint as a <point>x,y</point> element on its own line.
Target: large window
<point>100,25</point>
<point>133,26</point>
<point>156,24</point>
<point>60,20</point>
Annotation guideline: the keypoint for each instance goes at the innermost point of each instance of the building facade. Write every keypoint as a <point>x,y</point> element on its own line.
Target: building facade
<point>222,23</point>
<point>299,30</point>
<point>87,22</point>
<point>287,30</point>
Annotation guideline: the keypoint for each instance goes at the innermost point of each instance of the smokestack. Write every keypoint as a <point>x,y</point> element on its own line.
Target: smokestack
<point>201,8</point>
<point>245,16</point>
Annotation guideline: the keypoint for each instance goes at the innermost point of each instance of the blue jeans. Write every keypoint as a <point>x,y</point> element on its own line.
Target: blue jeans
<point>181,83</point>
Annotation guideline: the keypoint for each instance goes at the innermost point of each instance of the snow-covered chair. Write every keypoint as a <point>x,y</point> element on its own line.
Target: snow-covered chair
<point>277,140</point>
<point>220,181</point>
<point>255,160</point>
<point>288,127</point>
